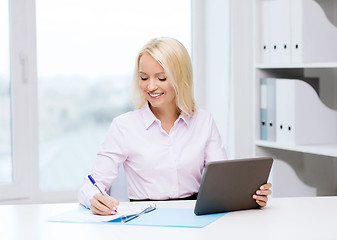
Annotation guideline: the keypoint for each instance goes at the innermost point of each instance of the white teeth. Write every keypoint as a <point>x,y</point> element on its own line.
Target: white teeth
<point>155,95</point>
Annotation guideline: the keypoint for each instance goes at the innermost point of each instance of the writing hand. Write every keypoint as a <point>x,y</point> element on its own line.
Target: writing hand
<point>103,204</point>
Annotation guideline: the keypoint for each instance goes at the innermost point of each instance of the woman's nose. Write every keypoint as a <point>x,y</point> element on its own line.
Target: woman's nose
<point>152,86</point>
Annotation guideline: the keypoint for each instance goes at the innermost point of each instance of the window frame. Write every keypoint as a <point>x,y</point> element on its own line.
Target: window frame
<point>23,100</point>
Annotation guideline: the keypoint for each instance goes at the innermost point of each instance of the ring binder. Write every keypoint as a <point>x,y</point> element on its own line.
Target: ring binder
<point>301,117</point>
<point>127,218</point>
<point>292,30</point>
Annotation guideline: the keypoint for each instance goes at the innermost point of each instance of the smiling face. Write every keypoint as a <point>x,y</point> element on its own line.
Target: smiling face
<point>154,84</point>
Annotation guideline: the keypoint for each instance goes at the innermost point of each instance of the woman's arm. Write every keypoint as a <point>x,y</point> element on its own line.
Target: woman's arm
<point>112,154</point>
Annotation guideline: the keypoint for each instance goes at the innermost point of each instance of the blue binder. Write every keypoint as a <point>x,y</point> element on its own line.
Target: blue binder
<point>263,109</point>
<point>267,109</point>
<point>271,111</point>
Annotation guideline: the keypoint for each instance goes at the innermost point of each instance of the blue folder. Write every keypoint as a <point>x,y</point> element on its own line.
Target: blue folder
<point>161,217</point>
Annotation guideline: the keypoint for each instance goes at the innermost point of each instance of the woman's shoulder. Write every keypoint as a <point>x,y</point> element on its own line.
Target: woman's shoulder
<point>201,118</point>
<point>127,117</point>
<point>202,114</point>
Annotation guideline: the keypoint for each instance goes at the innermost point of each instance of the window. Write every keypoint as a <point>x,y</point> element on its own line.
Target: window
<point>85,57</point>
<point>6,166</point>
<point>65,73</point>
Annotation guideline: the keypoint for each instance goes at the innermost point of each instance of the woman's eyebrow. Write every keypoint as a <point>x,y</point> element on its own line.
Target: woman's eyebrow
<point>143,73</point>
<point>156,74</point>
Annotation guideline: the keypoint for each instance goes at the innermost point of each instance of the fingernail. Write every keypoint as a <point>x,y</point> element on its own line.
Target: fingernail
<point>262,188</point>
<point>254,196</point>
<point>113,212</point>
<point>114,208</point>
<point>258,192</point>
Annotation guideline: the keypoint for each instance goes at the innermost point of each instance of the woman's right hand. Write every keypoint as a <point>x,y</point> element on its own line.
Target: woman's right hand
<point>103,204</point>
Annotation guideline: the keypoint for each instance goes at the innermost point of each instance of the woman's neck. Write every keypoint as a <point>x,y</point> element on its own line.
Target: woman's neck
<point>167,116</point>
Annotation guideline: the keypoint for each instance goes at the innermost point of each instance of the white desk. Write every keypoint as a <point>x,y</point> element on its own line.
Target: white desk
<point>283,218</point>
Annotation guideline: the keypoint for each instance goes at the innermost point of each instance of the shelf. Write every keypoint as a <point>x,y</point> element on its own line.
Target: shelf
<point>329,150</point>
<point>297,66</point>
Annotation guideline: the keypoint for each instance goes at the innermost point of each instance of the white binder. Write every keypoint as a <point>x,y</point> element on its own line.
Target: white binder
<point>296,31</point>
<point>301,117</point>
<point>275,23</point>
<point>265,32</point>
<point>285,111</point>
<point>280,39</point>
<point>313,36</point>
<point>284,32</point>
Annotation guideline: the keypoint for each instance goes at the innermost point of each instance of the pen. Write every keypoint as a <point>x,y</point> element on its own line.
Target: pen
<point>92,180</point>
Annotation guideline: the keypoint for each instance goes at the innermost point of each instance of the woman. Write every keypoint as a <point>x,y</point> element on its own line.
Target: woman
<point>165,144</point>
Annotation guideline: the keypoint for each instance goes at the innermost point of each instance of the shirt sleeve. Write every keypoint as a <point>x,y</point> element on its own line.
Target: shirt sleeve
<point>112,154</point>
<point>214,150</point>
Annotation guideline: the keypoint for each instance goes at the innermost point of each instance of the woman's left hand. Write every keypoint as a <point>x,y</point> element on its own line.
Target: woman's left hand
<point>262,194</point>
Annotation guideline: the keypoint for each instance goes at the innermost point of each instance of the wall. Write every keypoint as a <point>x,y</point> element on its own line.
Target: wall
<point>242,72</point>
<point>211,56</point>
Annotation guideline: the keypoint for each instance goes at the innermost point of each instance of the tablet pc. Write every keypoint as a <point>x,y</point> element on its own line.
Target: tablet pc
<point>229,185</point>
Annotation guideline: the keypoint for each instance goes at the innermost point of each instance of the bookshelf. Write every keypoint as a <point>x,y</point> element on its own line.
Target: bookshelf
<point>329,150</point>
<point>299,158</point>
<point>319,65</point>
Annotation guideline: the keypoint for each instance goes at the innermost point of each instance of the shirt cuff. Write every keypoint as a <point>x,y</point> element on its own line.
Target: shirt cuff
<point>87,192</point>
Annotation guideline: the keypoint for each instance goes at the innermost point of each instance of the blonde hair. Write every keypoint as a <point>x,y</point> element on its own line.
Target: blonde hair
<point>175,60</point>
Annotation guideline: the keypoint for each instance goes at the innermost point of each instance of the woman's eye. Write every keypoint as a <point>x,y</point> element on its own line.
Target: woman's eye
<point>162,79</point>
<point>143,78</point>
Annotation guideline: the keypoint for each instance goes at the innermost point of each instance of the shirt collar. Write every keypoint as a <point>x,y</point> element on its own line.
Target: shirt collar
<point>150,118</point>
<point>185,118</point>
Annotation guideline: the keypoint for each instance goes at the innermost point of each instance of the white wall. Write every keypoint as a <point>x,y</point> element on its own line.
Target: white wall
<point>242,74</point>
<point>211,61</point>
<point>223,63</point>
